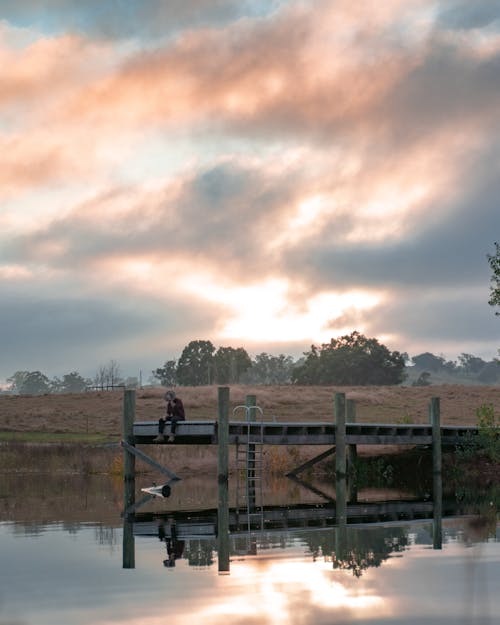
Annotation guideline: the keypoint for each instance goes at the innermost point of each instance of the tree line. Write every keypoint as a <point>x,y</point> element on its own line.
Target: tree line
<point>350,360</point>
<point>37,383</point>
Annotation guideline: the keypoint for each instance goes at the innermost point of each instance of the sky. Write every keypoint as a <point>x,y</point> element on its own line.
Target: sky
<point>260,174</point>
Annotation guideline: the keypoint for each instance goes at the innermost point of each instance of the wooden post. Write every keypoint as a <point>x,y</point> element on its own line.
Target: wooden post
<point>128,542</point>
<point>435,417</point>
<point>341,518</point>
<point>223,480</point>
<point>128,479</point>
<point>128,435</point>
<point>340,451</point>
<point>340,476</point>
<point>437,516</point>
<point>251,403</point>
<point>352,455</point>
<point>435,414</point>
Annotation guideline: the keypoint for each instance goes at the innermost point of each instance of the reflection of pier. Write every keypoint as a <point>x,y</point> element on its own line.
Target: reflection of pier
<point>202,524</point>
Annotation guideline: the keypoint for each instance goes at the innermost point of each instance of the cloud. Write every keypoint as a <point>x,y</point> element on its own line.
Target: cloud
<point>62,330</point>
<point>334,150</point>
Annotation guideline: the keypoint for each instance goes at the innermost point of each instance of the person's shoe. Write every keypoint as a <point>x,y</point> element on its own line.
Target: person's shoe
<point>171,438</point>
<point>159,439</point>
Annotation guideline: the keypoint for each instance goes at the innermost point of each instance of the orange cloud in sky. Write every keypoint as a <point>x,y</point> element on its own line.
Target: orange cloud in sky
<point>255,161</point>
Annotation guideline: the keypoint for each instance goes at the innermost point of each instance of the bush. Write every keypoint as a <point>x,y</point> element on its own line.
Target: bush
<point>489,432</point>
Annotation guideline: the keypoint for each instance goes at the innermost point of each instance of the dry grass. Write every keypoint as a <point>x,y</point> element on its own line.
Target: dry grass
<point>100,412</point>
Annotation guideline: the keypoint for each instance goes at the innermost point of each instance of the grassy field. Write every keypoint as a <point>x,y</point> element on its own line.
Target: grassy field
<point>98,414</point>
<point>79,433</point>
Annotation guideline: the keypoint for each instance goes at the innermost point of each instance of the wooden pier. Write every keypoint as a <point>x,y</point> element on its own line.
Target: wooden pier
<point>342,434</point>
<point>310,433</point>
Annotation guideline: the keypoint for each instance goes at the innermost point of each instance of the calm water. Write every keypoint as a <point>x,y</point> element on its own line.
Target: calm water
<point>61,546</point>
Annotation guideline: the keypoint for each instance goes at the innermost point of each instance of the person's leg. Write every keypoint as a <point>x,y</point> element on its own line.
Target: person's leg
<point>161,427</point>
<point>173,428</point>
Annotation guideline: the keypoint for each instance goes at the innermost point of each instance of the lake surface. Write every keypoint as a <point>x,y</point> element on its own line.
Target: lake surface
<point>63,552</point>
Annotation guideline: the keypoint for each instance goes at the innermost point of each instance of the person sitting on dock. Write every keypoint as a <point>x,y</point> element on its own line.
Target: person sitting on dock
<point>175,413</point>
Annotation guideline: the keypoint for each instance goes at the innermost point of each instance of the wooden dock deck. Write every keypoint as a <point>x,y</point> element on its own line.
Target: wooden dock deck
<point>202,524</point>
<point>310,433</point>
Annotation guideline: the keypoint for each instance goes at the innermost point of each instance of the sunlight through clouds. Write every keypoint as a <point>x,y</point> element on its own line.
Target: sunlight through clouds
<point>298,169</point>
<point>266,311</point>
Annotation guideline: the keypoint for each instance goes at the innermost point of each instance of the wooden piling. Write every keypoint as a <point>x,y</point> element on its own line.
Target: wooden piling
<point>341,518</point>
<point>352,452</point>
<point>435,415</point>
<point>128,547</point>
<point>128,435</point>
<point>435,419</point>
<point>223,480</point>
<point>437,514</point>
<point>340,449</point>
<point>128,479</point>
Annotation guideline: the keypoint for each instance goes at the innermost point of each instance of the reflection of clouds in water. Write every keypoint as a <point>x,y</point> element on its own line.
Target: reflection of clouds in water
<point>60,578</point>
<point>289,591</point>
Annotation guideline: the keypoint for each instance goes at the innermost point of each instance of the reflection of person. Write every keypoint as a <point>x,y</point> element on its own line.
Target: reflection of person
<point>174,413</point>
<point>175,548</point>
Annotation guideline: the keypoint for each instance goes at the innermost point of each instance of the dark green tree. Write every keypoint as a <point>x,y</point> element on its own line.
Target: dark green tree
<point>167,375</point>
<point>428,362</point>
<point>309,372</point>
<point>494,261</point>
<point>29,383</point>
<point>196,364</point>
<point>267,369</point>
<point>230,363</point>
<point>490,374</point>
<point>70,383</point>
<point>424,379</point>
<point>352,359</point>
<point>471,365</point>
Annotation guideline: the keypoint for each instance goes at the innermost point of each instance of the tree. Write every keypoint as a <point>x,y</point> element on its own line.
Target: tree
<point>108,376</point>
<point>490,374</point>
<point>267,369</point>
<point>230,364</point>
<point>196,364</point>
<point>167,375</point>
<point>471,365</point>
<point>424,379</point>
<point>494,261</point>
<point>428,362</point>
<point>352,359</point>
<point>70,383</point>
<point>29,383</point>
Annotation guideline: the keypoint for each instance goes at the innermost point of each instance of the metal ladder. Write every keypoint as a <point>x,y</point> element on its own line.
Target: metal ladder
<point>249,472</point>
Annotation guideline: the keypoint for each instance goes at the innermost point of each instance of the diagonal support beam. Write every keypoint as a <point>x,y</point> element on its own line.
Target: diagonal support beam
<point>134,507</point>
<point>150,461</point>
<point>311,463</point>
<point>312,488</point>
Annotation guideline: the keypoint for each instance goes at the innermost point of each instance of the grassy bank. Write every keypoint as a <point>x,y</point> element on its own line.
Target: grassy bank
<point>55,437</point>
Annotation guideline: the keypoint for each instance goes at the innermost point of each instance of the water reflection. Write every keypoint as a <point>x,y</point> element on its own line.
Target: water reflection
<point>313,560</point>
<point>362,534</point>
